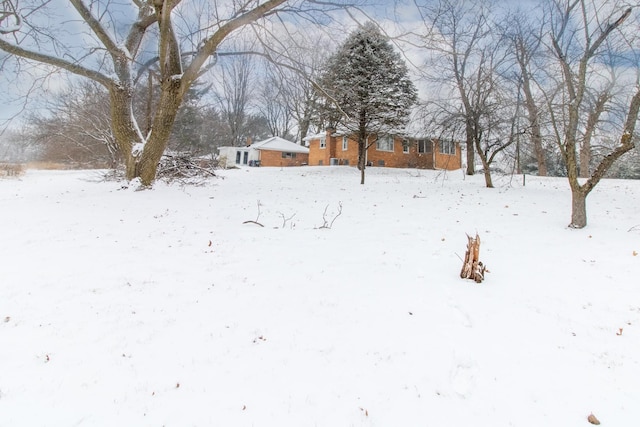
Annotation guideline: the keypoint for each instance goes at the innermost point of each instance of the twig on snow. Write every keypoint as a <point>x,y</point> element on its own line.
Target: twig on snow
<point>257,217</point>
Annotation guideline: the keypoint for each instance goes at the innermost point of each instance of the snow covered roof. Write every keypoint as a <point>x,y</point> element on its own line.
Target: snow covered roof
<point>314,136</point>
<point>276,143</point>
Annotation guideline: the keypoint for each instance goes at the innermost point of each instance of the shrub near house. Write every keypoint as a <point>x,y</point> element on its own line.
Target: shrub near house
<point>332,148</point>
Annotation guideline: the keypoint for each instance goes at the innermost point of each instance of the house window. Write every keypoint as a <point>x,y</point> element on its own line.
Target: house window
<point>384,144</point>
<point>425,146</point>
<point>288,155</point>
<point>447,147</point>
<point>345,143</point>
<point>405,146</point>
<point>323,142</point>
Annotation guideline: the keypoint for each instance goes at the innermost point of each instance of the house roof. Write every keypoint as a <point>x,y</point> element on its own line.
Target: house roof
<point>276,143</point>
<point>314,136</point>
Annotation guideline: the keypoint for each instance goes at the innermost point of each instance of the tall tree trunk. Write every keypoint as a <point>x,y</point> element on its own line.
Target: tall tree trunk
<point>578,208</point>
<point>536,139</point>
<point>585,158</point>
<point>142,157</point>
<point>158,139</point>
<point>471,167</point>
<point>362,163</point>
<point>534,122</point>
<point>363,142</point>
<point>304,129</point>
<point>594,116</point>
<point>124,127</point>
<point>485,164</point>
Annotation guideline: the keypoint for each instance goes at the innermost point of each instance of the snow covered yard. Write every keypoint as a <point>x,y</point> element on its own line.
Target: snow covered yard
<point>162,308</point>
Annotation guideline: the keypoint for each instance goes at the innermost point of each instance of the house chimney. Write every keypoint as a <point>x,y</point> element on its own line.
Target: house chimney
<point>248,141</point>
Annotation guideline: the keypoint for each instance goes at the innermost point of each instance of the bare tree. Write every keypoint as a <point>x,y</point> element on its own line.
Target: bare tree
<point>456,34</point>
<point>581,37</point>
<point>307,54</point>
<point>76,127</point>
<point>274,103</point>
<point>237,82</point>
<point>526,41</point>
<point>114,46</point>
<point>595,106</point>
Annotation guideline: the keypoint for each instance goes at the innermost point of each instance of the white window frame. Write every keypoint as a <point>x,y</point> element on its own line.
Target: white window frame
<point>425,143</point>
<point>386,143</point>
<point>447,147</point>
<point>405,146</point>
<point>323,142</point>
<point>345,143</point>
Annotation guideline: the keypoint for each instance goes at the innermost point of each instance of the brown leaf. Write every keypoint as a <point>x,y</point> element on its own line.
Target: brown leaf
<point>619,332</point>
<point>593,420</point>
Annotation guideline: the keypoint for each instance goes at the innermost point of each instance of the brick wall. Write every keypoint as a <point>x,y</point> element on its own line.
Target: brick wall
<point>274,158</point>
<point>448,161</point>
<point>317,155</point>
<point>394,159</point>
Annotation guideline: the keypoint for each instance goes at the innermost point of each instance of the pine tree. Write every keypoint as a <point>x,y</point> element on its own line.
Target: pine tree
<point>367,89</point>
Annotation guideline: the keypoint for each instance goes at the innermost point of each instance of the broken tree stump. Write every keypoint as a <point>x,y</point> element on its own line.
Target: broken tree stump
<point>472,267</point>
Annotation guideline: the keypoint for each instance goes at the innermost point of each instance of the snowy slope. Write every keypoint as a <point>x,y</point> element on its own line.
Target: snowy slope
<point>161,307</point>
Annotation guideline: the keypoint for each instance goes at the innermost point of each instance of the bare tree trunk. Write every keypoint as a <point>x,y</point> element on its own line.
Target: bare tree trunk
<point>362,158</point>
<point>362,146</point>
<point>471,166</point>
<point>124,128</point>
<point>578,209</point>
<point>592,122</point>
<point>485,165</point>
<point>149,112</point>
<point>536,137</point>
<point>585,158</point>
<point>487,173</point>
<point>534,121</point>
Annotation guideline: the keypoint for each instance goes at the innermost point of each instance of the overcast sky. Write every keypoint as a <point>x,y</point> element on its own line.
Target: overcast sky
<point>393,16</point>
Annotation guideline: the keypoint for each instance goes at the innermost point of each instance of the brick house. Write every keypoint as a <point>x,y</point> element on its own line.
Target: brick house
<point>274,151</point>
<point>331,148</point>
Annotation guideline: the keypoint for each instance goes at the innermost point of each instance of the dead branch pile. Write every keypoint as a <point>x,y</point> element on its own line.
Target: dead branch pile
<point>185,168</point>
<point>472,267</point>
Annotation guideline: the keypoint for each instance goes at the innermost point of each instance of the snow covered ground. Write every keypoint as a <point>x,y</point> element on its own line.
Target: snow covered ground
<point>160,307</point>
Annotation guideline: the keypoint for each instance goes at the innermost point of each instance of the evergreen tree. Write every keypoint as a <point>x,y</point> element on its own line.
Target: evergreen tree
<point>367,89</point>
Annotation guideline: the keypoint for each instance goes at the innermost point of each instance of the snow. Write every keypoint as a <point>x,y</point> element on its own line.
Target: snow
<point>276,143</point>
<point>160,307</point>
<point>137,149</point>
